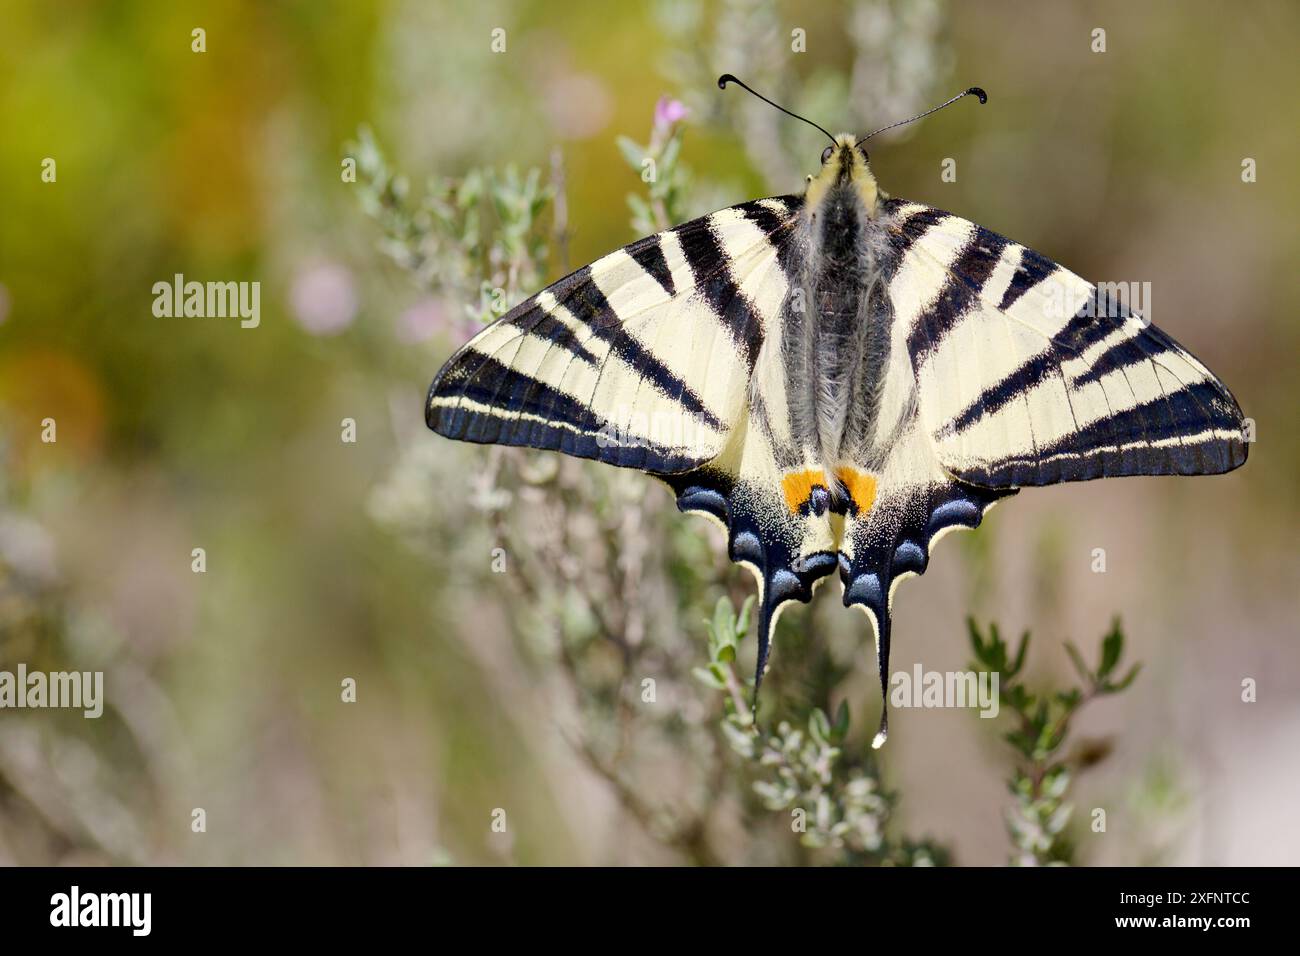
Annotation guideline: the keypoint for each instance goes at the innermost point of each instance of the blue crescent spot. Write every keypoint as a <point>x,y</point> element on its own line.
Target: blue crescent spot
<point>909,556</point>
<point>865,589</point>
<point>746,546</point>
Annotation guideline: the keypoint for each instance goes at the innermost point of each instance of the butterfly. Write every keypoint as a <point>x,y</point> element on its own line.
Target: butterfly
<point>838,378</point>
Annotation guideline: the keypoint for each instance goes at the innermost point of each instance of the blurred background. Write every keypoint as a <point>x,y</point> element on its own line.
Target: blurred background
<point>500,611</point>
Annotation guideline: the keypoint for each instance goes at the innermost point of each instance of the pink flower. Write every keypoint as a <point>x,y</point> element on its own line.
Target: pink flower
<point>421,321</point>
<point>578,104</point>
<point>429,317</point>
<point>324,298</point>
<point>669,111</point>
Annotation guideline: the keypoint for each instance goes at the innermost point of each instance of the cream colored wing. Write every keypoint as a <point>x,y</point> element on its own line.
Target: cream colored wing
<point>1029,375</point>
<point>641,359</point>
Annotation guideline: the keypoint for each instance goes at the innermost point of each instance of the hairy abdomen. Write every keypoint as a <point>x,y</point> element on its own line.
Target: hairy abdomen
<point>837,361</point>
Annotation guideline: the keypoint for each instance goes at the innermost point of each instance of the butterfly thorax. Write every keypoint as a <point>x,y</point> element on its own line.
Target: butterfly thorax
<point>837,340</point>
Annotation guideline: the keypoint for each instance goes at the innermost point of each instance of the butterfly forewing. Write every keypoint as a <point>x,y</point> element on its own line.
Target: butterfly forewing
<point>642,359</point>
<point>1029,376</point>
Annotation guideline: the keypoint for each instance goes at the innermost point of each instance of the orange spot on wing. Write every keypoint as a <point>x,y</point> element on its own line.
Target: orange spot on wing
<point>797,487</point>
<point>860,486</point>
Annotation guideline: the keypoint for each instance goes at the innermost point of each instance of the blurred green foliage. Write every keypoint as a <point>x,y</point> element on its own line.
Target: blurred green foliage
<point>1041,780</point>
<point>329,560</point>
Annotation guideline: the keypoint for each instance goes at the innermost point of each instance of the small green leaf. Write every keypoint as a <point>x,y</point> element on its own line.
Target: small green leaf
<point>1017,698</point>
<point>1020,656</point>
<point>1128,679</point>
<point>976,640</point>
<point>742,625</point>
<point>724,621</point>
<point>468,194</point>
<point>1021,741</point>
<point>632,151</point>
<point>1055,783</point>
<point>841,728</point>
<point>1056,823</point>
<point>708,678</point>
<point>668,156</point>
<point>819,726</point>
<point>1111,648</point>
<point>1069,699</point>
<point>1077,660</point>
<point>742,742</point>
<point>640,208</point>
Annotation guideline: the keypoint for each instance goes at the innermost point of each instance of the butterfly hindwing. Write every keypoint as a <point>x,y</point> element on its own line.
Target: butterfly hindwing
<point>774,507</point>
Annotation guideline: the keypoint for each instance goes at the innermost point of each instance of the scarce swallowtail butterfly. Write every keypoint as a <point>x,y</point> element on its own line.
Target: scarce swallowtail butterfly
<point>838,378</point>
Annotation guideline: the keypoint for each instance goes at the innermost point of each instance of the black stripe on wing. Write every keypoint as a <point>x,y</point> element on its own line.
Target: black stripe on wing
<point>648,254</point>
<point>714,280</point>
<point>1079,334</point>
<point>1195,429</point>
<point>1009,389</point>
<point>1032,271</point>
<point>526,412</point>
<point>1200,434</point>
<point>585,301</point>
<point>963,285</point>
<point>913,226</point>
<point>533,318</point>
<point>776,224</point>
<point>1149,343</point>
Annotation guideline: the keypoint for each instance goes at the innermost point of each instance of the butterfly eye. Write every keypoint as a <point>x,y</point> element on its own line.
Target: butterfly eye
<point>826,153</point>
<point>863,150</point>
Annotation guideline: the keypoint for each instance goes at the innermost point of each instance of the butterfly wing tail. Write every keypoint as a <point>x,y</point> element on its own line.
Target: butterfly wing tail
<point>867,589</point>
<point>758,539</point>
<point>767,616</point>
<point>894,541</point>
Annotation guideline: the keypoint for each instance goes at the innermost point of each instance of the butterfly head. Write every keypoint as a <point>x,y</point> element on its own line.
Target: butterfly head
<point>846,150</point>
<point>845,165</point>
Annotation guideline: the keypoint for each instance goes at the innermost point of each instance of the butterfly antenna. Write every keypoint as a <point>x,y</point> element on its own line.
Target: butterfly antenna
<point>984,98</point>
<point>726,78</point>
